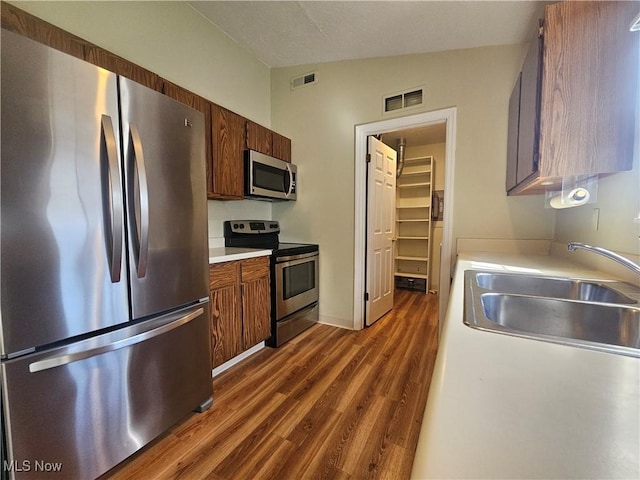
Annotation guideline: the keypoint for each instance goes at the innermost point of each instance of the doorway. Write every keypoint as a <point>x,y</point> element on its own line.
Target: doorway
<point>446,117</point>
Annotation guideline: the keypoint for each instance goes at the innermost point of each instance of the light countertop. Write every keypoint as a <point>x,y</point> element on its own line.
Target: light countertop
<point>506,407</point>
<point>227,254</point>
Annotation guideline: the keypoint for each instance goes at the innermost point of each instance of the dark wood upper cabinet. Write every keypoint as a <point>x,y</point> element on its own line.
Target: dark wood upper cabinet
<point>589,88</point>
<point>267,141</point>
<point>587,96</point>
<point>529,116</point>
<point>228,144</point>
<point>109,61</point>
<point>27,25</point>
<point>281,147</point>
<point>259,138</point>
<point>32,27</point>
<point>227,133</point>
<point>512,135</point>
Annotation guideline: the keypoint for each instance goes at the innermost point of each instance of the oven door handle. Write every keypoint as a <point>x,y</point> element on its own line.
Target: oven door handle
<point>296,257</point>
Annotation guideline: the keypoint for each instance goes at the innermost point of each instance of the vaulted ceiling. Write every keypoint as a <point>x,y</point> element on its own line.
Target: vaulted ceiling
<point>285,33</point>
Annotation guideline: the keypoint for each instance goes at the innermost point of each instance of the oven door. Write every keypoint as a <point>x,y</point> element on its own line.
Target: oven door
<point>296,284</point>
<point>269,177</point>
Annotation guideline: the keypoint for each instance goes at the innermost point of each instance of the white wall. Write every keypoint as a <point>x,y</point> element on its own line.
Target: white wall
<point>619,203</point>
<point>619,227</point>
<point>219,211</point>
<point>321,119</point>
<point>619,220</point>
<point>179,44</point>
<point>174,41</point>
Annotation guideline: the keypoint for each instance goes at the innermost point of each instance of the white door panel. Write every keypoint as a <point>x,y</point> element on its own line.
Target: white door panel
<point>380,229</point>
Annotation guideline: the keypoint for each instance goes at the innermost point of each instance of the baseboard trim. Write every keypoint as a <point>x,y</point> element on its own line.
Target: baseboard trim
<point>235,360</point>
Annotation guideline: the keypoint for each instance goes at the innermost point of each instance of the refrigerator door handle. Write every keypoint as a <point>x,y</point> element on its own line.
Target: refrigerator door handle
<point>140,214</point>
<point>113,204</point>
<point>95,350</point>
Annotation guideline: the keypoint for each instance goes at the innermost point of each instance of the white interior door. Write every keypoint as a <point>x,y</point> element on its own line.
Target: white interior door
<point>381,206</point>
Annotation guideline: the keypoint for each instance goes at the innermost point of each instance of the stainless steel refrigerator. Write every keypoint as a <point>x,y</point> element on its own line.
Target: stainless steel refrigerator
<point>104,317</point>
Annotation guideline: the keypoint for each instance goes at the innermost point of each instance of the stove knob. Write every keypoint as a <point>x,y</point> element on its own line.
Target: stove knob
<point>241,226</point>
<point>274,225</point>
<point>235,225</point>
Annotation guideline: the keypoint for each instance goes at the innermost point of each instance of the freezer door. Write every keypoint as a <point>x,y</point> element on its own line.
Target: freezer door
<point>84,408</point>
<point>164,157</point>
<point>61,198</point>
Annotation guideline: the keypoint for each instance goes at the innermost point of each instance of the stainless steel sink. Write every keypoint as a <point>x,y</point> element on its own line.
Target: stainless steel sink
<point>555,287</point>
<point>582,313</point>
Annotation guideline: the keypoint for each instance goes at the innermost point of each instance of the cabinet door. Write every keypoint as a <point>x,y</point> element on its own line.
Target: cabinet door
<point>259,138</point>
<point>528,124</point>
<point>226,318</point>
<point>589,88</point>
<point>228,150</point>
<point>256,301</point>
<point>512,135</point>
<point>281,147</point>
<point>203,105</point>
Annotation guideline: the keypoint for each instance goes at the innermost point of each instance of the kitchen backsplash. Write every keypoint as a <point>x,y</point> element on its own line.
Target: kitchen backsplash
<point>219,211</point>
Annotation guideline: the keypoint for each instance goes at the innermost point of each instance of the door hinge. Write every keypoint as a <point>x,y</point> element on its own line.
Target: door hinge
<point>366,296</point>
<point>368,158</point>
<point>541,28</point>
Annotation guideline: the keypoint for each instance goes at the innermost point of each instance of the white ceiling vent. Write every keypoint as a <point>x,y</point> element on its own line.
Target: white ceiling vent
<point>398,101</point>
<point>304,80</point>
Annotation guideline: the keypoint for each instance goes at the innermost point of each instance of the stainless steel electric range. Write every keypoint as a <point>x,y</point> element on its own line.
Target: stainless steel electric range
<point>294,276</point>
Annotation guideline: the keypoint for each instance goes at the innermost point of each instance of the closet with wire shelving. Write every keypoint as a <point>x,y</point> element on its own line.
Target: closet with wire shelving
<point>413,223</point>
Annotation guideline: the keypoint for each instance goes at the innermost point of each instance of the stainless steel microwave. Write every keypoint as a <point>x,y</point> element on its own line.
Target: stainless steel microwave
<point>267,178</point>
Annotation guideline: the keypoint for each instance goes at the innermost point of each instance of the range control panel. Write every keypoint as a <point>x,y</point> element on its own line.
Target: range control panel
<point>254,226</point>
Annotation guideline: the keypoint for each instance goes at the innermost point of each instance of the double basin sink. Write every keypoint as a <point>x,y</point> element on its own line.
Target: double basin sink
<point>596,314</point>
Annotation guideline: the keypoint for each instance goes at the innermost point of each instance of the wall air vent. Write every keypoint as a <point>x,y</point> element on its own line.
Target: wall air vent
<point>304,80</point>
<point>398,101</point>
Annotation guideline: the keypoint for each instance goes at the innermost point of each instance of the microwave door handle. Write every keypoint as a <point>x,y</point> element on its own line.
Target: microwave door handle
<point>290,181</point>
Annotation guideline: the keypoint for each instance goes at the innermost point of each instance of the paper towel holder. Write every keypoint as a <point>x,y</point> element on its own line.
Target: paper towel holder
<point>575,191</point>
<point>574,198</point>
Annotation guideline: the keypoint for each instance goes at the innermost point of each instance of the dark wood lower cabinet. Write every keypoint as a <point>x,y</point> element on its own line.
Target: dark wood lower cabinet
<point>226,319</point>
<point>256,301</point>
<point>240,306</point>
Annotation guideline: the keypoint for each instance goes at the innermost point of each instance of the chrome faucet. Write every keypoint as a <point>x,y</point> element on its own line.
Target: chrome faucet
<point>634,267</point>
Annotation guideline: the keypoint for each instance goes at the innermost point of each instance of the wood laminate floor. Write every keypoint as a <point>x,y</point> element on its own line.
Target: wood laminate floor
<point>331,403</point>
